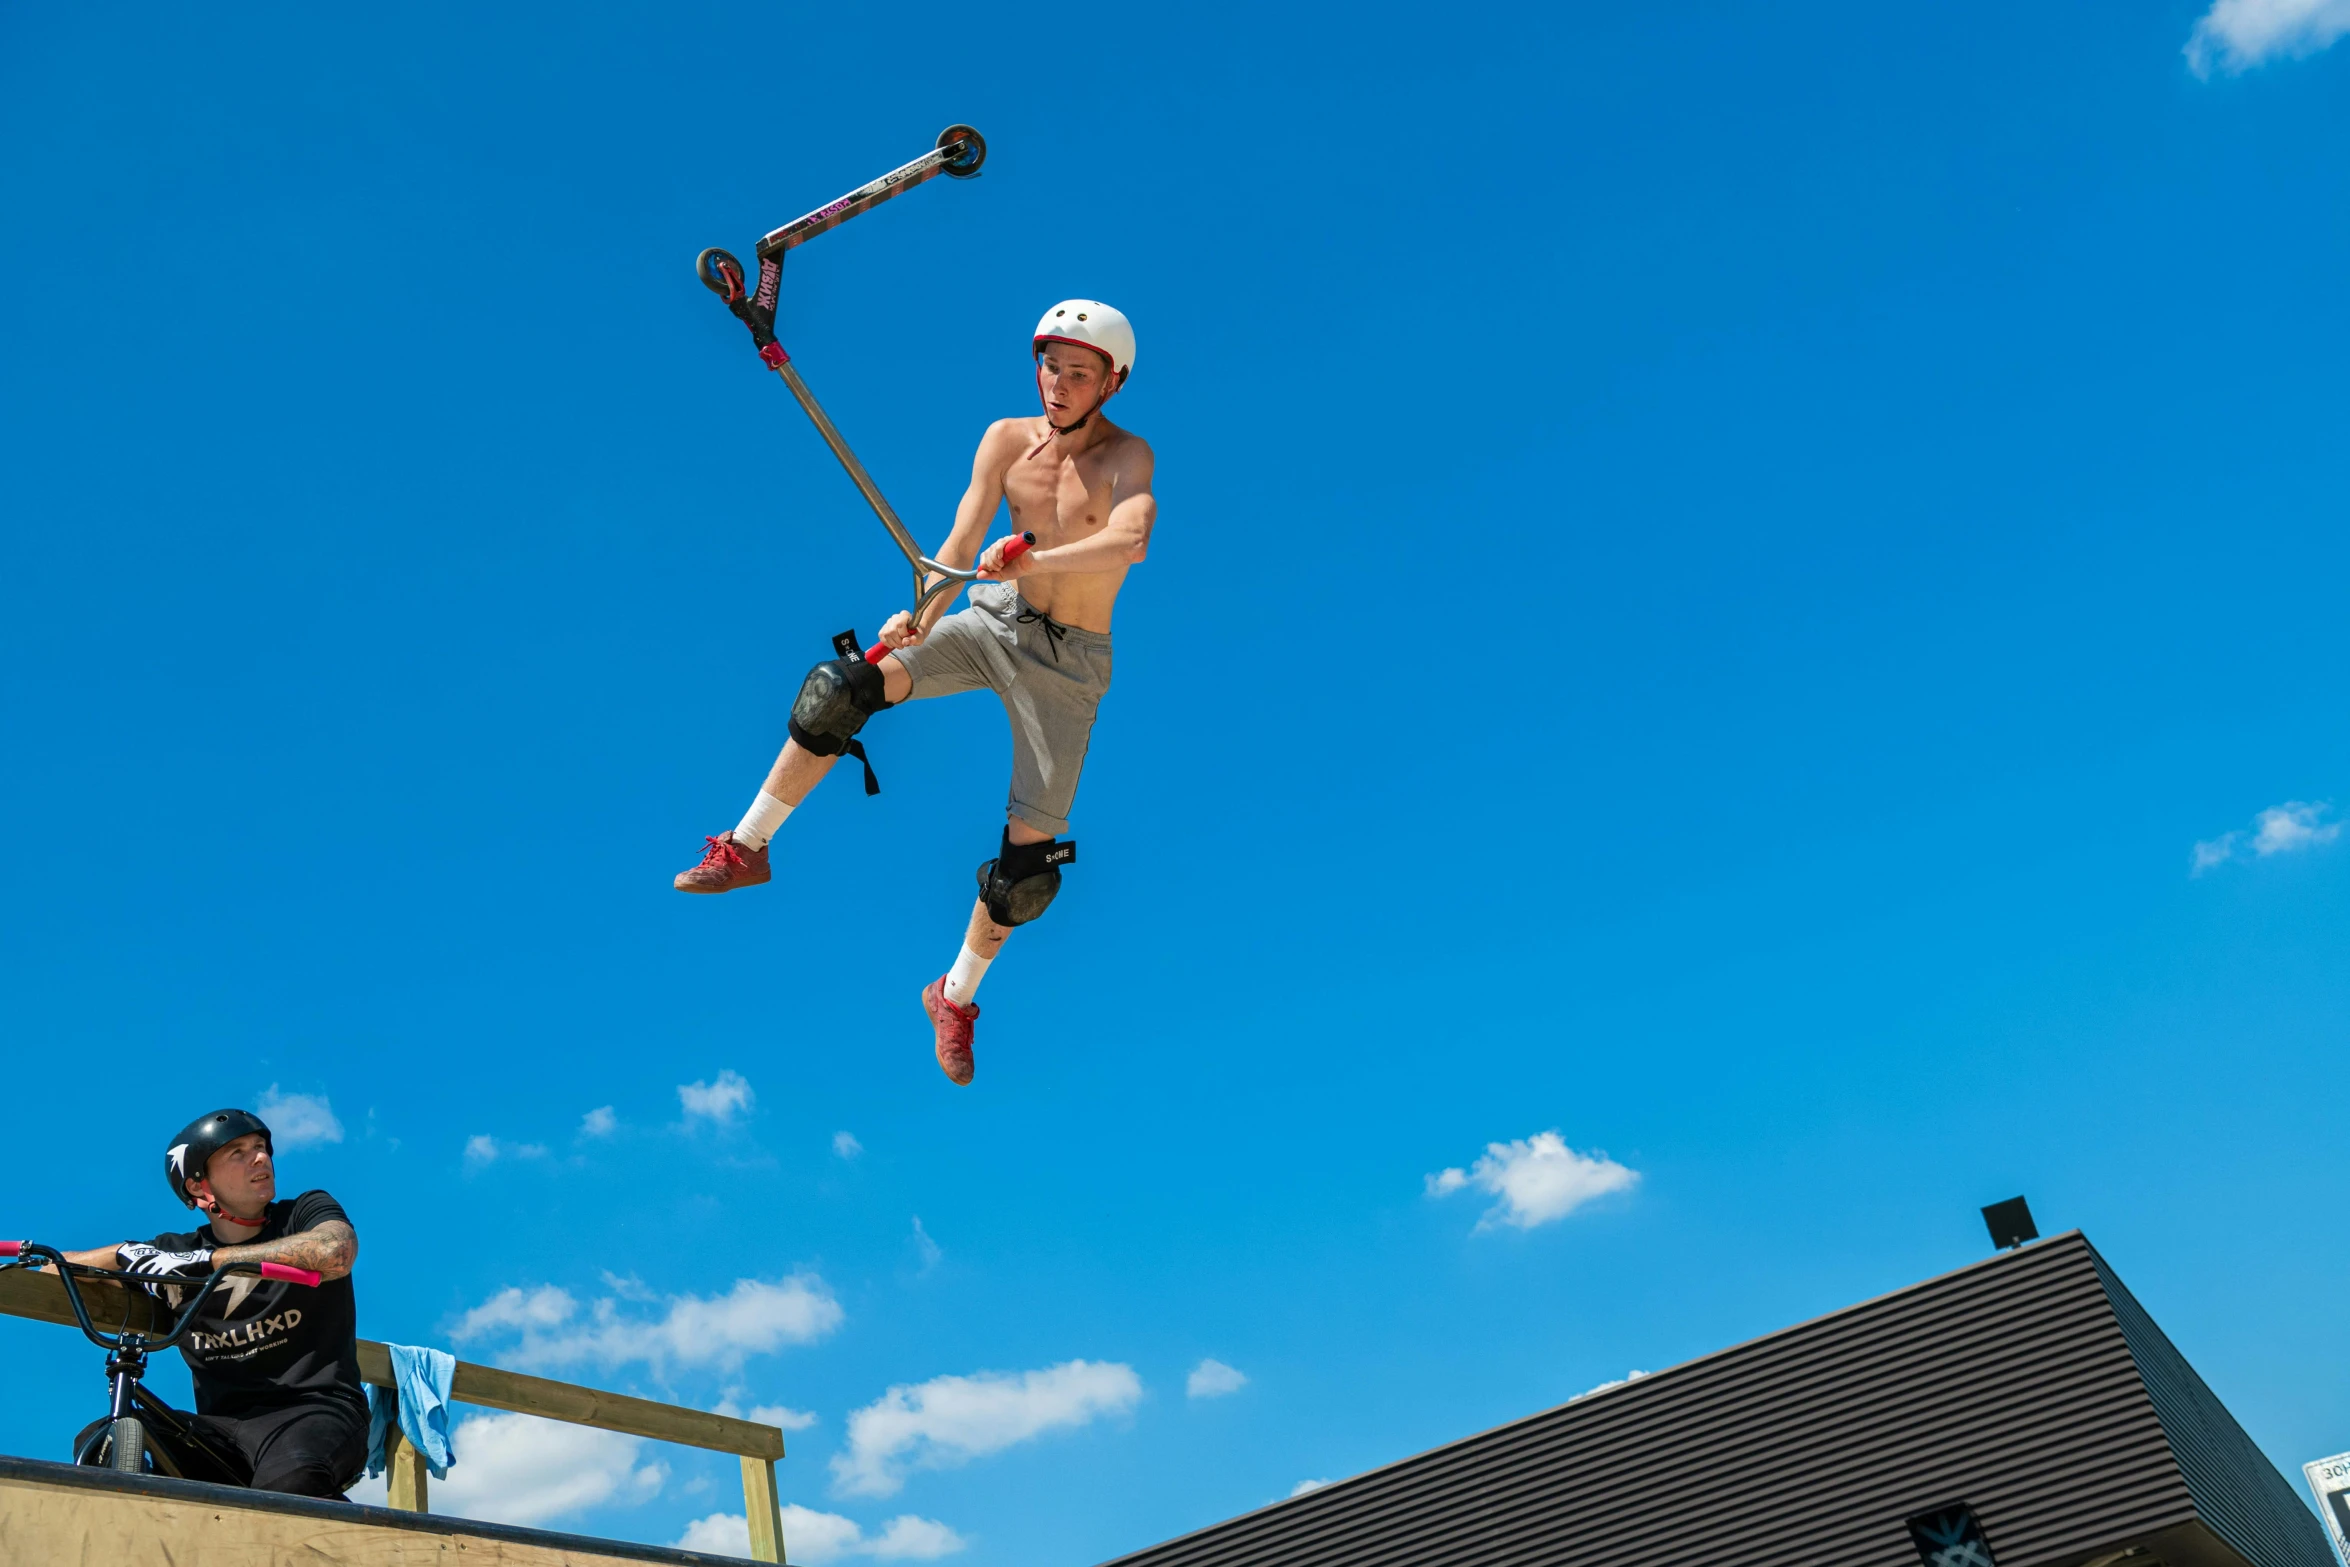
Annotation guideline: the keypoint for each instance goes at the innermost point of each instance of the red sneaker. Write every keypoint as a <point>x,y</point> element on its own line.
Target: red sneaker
<point>953,1026</point>
<point>726,866</point>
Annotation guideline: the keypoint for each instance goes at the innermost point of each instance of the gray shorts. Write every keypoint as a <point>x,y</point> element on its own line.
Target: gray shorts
<point>1051,681</point>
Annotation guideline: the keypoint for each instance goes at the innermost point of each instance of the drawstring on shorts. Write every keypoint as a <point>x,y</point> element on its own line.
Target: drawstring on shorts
<point>1054,631</point>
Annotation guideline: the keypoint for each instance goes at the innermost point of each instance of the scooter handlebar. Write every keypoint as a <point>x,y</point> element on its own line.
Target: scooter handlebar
<point>10,1248</point>
<point>289,1275</point>
<point>1020,545</point>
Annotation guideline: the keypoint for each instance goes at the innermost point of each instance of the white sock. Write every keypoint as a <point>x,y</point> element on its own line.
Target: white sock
<point>963,979</point>
<point>760,822</point>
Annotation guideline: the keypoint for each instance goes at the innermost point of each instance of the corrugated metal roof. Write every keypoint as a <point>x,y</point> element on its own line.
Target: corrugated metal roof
<point>2236,1490</point>
<point>2014,1385</point>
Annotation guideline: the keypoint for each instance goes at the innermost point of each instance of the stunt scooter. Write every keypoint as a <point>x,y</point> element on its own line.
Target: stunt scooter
<point>958,155</point>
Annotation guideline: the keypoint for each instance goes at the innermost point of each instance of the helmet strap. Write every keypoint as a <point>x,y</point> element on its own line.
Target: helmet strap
<point>219,1215</point>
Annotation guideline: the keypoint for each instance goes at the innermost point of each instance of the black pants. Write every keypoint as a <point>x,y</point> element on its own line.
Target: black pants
<point>303,1450</point>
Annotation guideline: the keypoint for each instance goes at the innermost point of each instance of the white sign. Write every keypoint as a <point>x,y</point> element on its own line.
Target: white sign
<point>2329,1482</point>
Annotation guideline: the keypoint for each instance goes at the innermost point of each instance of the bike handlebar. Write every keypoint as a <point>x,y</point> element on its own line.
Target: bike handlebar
<point>30,1252</point>
<point>1020,545</point>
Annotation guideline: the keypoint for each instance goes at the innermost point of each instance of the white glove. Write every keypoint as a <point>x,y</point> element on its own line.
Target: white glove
<point>148,1262</point>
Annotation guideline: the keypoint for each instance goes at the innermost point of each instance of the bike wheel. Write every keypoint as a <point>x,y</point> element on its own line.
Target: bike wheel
<point>128,1443</point>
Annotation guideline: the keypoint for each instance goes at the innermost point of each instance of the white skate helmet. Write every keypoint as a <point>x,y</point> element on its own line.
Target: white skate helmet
<point>1091,324</point>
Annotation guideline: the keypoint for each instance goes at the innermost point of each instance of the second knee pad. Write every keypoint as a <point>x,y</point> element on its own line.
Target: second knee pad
<point>1020,882</point>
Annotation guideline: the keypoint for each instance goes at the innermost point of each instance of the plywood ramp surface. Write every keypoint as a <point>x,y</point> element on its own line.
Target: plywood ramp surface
<point>54,1515</point>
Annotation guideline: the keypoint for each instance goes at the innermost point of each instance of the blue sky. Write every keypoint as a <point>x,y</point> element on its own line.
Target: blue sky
<point>1725,575</point>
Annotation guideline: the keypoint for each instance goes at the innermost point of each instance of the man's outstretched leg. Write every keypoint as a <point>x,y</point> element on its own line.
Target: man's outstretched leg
<point>739,858</point>
<point>948,998</point>
<point>1014,888</point>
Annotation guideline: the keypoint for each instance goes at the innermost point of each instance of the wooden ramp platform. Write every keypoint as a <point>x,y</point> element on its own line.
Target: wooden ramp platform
<point>57,1515</point>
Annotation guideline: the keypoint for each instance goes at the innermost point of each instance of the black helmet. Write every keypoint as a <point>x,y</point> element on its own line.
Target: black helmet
<point>200,1139</point>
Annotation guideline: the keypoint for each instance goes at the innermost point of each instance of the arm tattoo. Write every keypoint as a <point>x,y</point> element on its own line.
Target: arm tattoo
<point>328,1250</point>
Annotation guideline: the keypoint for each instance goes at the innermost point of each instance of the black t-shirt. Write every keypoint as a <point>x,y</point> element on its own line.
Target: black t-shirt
<point>264,1344</point>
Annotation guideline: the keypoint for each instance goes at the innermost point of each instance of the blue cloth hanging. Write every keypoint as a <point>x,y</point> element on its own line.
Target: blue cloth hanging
<point>422,1405</point>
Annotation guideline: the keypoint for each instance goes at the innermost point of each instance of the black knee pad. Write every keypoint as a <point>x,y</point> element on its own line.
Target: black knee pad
<point>1020,881</point>
<point>833,704</point>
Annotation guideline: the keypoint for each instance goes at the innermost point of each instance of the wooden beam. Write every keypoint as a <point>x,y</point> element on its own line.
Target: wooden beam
<point>41,1296</point>
<point>56,1513</point>
<point>762,1510</point>
<point>405,1486</point>
<point>587,1406</point>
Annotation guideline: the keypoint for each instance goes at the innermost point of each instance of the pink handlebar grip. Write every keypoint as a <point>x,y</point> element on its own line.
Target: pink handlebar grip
<point>278,1270</point>
<point>1020,545</point>
<point>11,1248</point>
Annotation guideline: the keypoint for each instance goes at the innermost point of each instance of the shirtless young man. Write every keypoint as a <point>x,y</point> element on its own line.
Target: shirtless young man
<point>1037,633</point>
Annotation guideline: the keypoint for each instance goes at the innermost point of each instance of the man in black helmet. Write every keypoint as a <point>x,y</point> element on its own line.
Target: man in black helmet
<point>276,1365</point>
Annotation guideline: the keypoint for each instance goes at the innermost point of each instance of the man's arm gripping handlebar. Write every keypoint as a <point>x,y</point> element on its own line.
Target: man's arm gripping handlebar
<point>32,1254</point>
<point>950,577</point>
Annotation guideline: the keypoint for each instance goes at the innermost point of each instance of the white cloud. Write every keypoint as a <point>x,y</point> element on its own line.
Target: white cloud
<point>2281,829</point>
<point>524,1470</point>
<point>949,1421</point>
<point>2293,825</point>
<point>817,1538</point>
<point>846,1145</point>
<point>485,1150</point>
<point>779,1415</point>
<point>1629,1376</point>
<point>2213,852</point>
<point>814,1537</point>
<point>907,1538</point>
<point>753,1318</point>
<point>515,1310</point>
<point>721,1101</point>
<point>1213,1379</point>
<point>298,1120</point>
<point>923,1244</point>
<point>1303,1486</point>
<point>598,1122</point>
<point>1538,1179</point>
<point>729,1534</point>
<point>2239,34</point>
<point>782,1416</point>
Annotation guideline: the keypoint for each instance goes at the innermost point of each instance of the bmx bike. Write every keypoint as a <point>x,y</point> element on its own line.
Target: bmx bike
<point>123,1441</point>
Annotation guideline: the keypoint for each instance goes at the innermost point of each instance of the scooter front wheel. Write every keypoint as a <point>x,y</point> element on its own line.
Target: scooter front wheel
<point>973,155</point>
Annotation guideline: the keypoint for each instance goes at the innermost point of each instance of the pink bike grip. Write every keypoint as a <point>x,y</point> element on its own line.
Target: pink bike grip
<point>11,1248</point>
<point>278,1270</point>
